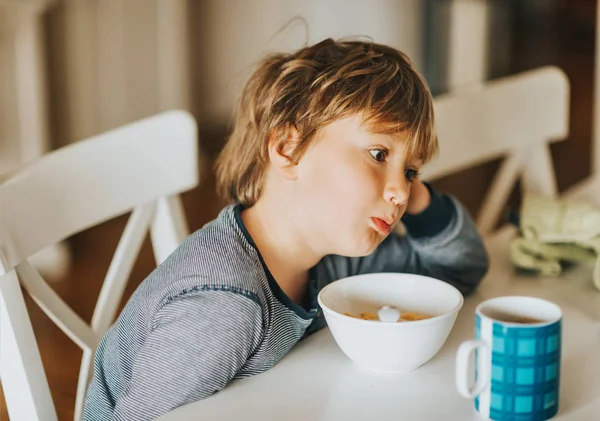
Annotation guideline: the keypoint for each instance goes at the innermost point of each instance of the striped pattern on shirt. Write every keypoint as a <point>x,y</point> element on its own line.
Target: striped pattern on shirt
<point>212,312</point>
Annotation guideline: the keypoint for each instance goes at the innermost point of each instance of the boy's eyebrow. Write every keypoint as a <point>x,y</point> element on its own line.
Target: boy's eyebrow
<point>415,159</point>
<point>416,162</point>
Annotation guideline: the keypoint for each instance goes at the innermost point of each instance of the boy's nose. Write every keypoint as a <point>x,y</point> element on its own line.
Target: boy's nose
<point>397,191</point>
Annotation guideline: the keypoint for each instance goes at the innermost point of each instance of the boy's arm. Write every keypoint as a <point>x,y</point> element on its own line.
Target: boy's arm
<point>441,241</point>
<point>199,343</point>
<point>444,242</point>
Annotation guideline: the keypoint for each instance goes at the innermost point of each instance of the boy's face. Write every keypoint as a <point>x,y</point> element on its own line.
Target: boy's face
<point>352,187</point>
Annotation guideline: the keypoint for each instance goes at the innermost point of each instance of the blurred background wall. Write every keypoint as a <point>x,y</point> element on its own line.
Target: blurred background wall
<point>114,61</point>
<point>91,65</point>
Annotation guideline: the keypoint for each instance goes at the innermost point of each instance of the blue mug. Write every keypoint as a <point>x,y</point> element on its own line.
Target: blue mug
<point>517,350</point>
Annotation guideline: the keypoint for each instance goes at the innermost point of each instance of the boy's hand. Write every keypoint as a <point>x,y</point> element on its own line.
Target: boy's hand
<point>419,198</point>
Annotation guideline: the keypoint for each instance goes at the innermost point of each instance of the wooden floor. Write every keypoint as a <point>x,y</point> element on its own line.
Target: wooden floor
<point>93,249</point>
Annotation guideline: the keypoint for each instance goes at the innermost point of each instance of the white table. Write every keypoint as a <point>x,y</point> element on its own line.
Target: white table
<point>316,381</point>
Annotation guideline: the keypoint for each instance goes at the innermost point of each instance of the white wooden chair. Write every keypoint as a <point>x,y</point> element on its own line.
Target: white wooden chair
<point>141,167</point>
<point>515,117</point>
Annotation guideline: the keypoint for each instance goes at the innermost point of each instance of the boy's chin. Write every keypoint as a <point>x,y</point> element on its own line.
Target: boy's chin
<point>361,249</point>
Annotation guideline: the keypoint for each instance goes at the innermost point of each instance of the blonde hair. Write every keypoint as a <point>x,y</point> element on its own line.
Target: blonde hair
<point>313,87</point>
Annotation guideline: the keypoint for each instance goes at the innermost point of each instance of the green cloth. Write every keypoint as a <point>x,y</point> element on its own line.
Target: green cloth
<point>555,231</point>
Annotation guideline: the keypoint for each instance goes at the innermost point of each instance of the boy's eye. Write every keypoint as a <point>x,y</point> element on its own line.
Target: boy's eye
<point>411,174</point>
<point>378,155</point>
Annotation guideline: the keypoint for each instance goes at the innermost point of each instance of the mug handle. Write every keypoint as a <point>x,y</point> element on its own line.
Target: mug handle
<point>483,368</point>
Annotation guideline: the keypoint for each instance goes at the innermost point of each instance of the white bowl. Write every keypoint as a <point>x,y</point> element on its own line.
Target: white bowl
<point>390,347</point>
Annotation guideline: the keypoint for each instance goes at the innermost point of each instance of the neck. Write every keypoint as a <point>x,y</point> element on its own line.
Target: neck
<point>282,244</point>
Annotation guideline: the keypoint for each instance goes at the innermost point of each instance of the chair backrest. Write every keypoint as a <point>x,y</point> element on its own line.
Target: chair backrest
<point>515,117</point>
<point>142,168</point>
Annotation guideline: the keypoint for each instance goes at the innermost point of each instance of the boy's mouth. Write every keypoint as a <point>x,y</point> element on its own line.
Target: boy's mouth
<point>381,225</point>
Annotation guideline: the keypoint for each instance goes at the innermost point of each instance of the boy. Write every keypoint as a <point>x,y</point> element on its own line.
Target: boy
<point>321,165</point>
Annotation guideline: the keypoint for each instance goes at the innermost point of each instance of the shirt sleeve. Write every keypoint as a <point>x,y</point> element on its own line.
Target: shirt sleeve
<point>434,219</point>
<point>197,345</point>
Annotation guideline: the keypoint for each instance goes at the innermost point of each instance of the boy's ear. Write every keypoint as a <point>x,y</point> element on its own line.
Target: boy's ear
<point>281,147</point>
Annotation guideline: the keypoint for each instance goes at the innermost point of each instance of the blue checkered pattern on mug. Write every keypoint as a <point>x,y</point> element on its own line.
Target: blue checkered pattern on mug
<point>525,371</point>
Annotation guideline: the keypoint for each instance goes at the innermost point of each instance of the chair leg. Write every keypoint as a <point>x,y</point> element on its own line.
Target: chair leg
<point>538,175</point>
<point>85,374</point>
<point>169,228</point>
<point>498,193</point>
<point>23,378</point>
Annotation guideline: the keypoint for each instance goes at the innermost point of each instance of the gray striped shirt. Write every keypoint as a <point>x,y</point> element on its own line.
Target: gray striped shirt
<point>212,312</point>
